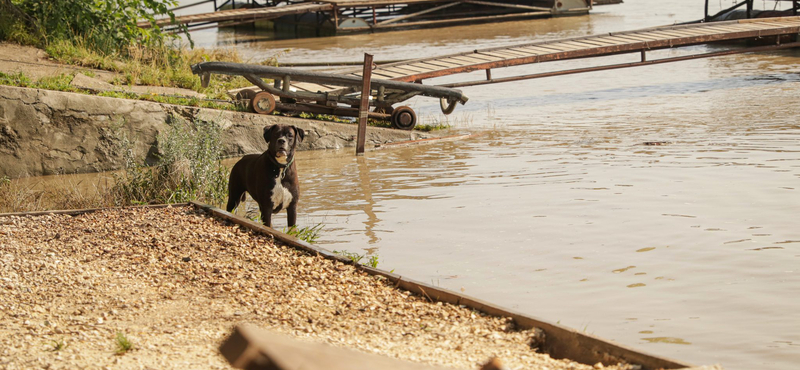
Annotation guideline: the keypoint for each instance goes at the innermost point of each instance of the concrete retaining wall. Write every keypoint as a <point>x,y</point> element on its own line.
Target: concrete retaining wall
<point>45,132</point>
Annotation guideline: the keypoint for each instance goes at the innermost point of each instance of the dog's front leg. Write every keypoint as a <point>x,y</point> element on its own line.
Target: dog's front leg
<point>266,213</point>
<point>291,212</point>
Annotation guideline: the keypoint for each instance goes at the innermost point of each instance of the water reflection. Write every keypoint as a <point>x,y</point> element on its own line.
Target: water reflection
<point>562,191</point>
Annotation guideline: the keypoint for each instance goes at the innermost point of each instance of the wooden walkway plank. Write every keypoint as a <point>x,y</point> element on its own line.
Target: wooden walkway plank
<point>472,59</point>
<point>598,42</point>
<point>582,44</point>
<point>512,53</point>
<point>582,47</point>
<point>442,64</point>
<point>485,58</point>
<point>422,67</point>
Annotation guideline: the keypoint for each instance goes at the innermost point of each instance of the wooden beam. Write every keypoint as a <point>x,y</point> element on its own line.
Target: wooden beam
<point>363,108</point>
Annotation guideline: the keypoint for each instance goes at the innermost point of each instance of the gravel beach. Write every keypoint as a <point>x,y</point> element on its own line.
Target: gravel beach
<point>174,281</point>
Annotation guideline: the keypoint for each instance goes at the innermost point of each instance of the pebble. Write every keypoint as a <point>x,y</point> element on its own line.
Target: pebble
<point>116,263</point>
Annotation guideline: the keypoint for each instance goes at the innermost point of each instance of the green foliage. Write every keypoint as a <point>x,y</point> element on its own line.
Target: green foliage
<point>123,344</point>
<point>57,345</point>
<point>356,258</point>
<point>373,261</point>
<point>309,234</point>
<point>15,79</point>
<point>62,83</point>
<point>59,83</point>
<point>188,168</point>
<point>109,26</point>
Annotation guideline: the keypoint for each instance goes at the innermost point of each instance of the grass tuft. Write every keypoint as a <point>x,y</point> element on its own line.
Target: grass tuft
<point>356,258</point>
<point>124,345</point>
<point>309,234</point>
<point>57,345</point>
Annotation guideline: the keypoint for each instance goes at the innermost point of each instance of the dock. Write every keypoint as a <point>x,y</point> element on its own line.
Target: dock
<point>769,30</point>
<point>319,96</point>
<point>342,16</point>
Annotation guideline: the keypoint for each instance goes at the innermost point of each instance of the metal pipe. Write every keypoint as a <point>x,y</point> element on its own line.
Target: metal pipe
<point>237,69</point>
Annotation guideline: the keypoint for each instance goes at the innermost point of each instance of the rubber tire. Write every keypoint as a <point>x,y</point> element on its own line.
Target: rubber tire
<point>404,118</point>
<point>263,103</point>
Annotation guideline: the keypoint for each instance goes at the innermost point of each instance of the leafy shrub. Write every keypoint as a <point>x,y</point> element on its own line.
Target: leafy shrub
<point>188,168</point>
<point>109,26</point>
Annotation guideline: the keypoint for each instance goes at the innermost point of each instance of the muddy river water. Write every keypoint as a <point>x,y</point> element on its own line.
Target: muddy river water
<point>690,249</point>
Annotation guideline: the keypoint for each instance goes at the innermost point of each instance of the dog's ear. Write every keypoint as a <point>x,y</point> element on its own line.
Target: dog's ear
<point>268,131</point>
<point>300,133</point>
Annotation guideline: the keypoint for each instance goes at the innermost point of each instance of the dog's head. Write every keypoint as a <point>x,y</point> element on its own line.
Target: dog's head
<point>282,140</point>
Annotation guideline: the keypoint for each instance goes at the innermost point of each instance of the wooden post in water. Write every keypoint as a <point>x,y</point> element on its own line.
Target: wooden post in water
<point>363,109</point>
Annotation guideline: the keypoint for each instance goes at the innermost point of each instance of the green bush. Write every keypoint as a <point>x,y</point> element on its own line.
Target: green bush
<point>188,168</point>
<point>110,26</point>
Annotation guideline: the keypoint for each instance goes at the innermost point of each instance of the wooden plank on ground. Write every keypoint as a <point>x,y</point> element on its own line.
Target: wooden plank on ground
<point>249,347</point>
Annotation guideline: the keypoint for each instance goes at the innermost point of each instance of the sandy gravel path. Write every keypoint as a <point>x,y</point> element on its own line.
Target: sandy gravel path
<point>174,281</point>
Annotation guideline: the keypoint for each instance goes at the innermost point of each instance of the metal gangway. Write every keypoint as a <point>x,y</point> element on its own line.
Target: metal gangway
<point>321,94</point>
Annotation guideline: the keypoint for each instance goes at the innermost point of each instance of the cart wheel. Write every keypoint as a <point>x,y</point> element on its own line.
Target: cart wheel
<point>263,103</point>
<point>404,118</point>
<point>448,106</point>
<point>384,110</point>
<point>245,94</point>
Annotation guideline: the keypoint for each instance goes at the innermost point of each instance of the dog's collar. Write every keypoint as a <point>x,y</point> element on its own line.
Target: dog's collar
<point>281,167</point>
<point>279,164</point>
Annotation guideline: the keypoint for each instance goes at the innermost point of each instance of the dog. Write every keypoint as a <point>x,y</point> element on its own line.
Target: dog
<point>271,177</point>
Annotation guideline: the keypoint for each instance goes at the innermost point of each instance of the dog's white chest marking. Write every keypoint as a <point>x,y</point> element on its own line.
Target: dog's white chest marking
<point>281,197</point>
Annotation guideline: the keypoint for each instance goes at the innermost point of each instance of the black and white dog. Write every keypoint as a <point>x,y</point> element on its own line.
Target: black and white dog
<point>270,178</point>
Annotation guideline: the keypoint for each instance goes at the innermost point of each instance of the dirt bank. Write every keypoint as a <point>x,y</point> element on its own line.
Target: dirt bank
<point>46,132</point>
<point>175,281</point>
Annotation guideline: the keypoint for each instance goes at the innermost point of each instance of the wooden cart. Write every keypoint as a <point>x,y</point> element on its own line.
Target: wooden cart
<point>327,93</point>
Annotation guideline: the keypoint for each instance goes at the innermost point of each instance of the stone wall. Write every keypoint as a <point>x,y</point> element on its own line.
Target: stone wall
<point>46,132</point>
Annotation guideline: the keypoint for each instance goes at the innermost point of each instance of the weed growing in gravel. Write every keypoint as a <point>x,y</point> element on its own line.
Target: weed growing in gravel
<point>310,234</point>
<point>356,258</point>
<point>373,261</point>
<point>188,168</point>
<point>123,344</point>
<point>57,345</point>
